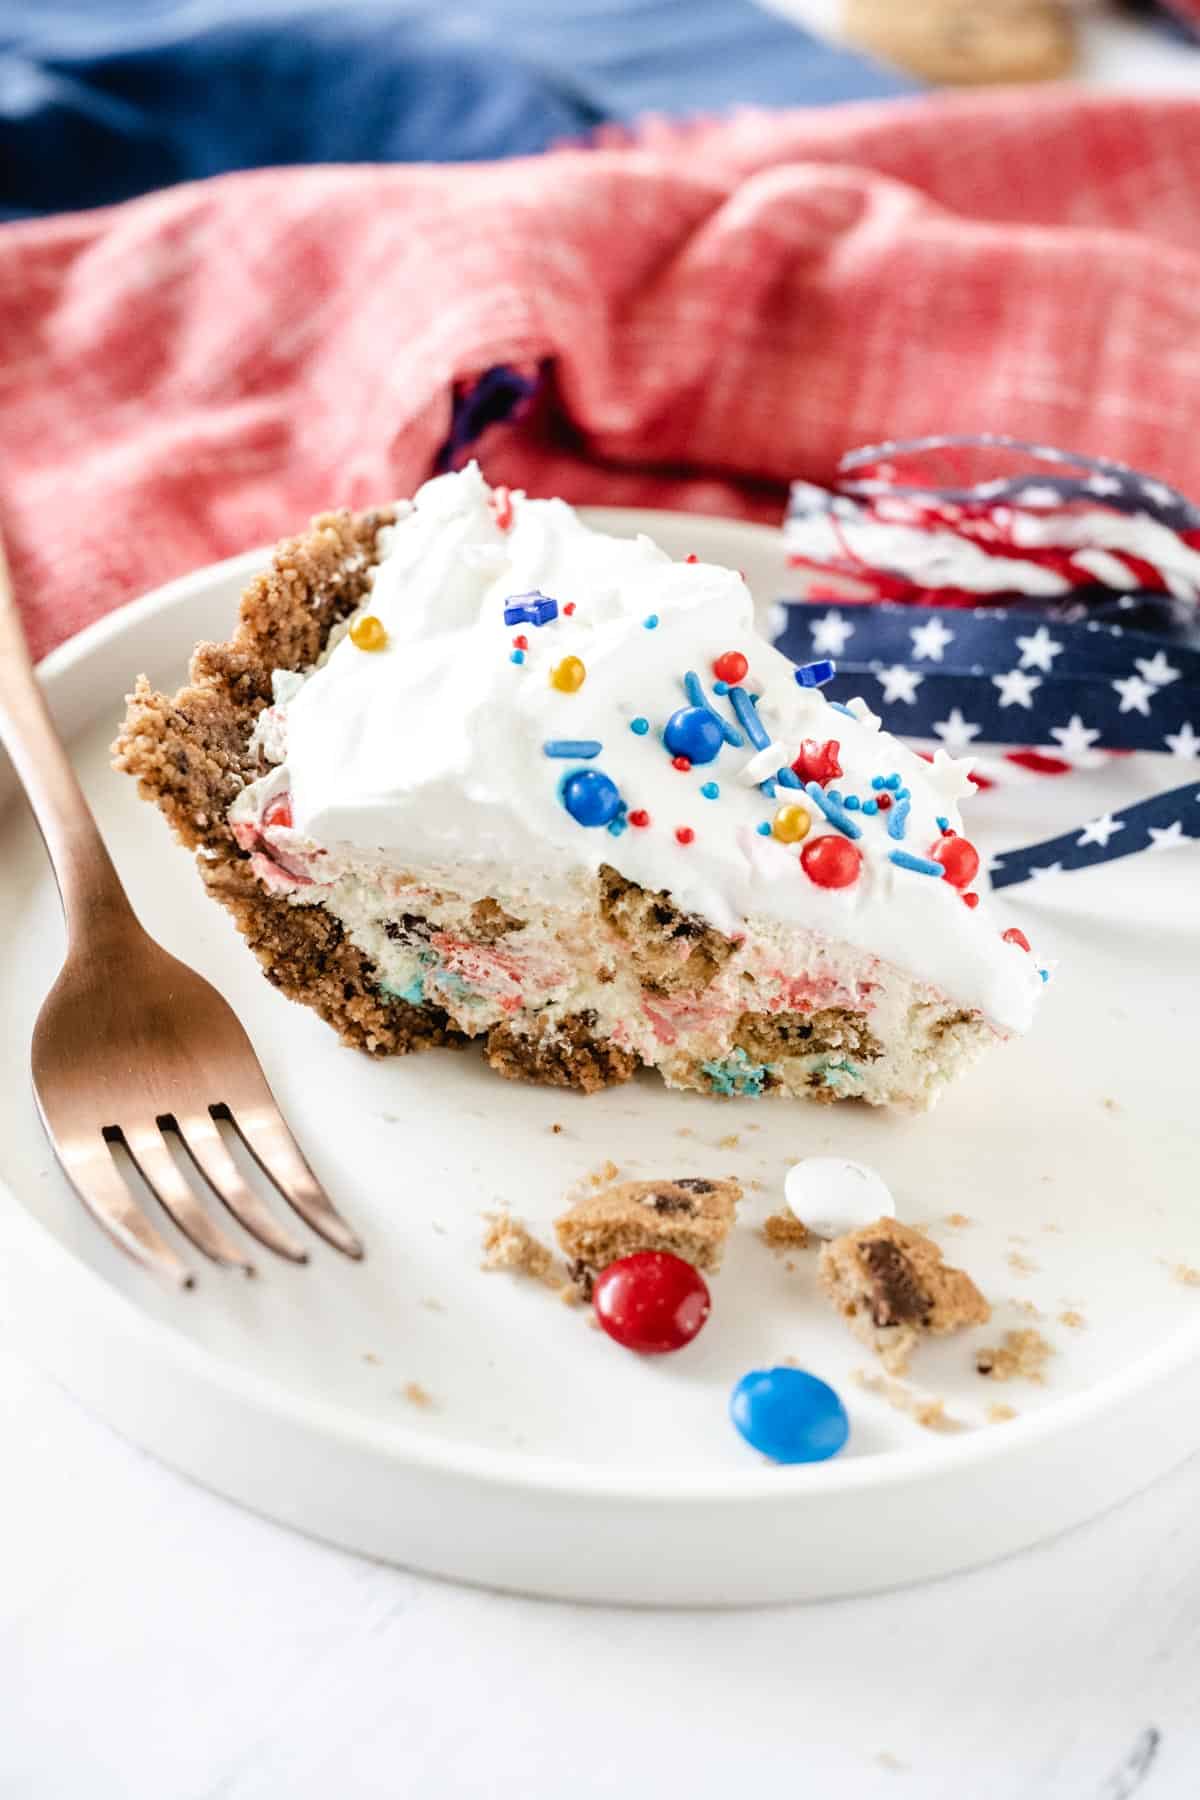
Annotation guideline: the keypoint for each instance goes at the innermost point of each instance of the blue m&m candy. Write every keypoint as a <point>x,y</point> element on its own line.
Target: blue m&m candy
<point>591,797</point>
<point>788,1415</point>
<point>694,732</point>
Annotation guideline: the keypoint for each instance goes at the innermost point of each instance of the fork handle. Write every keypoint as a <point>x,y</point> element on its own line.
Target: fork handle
<point>91,891</point>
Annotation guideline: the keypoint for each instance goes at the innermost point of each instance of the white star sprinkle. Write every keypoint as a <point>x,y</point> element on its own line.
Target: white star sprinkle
<point>1038,651</point>
<point>1016,688</point>
<point>1135,693</point>
<point>830,633</point>
<point>950,779</point>
<point>867,719</point>
<point>899,683</point>
<point>1100,830</point>
<point>1074,738</point>
<point>1183,742</point>
<point>1167,837</point>
<point>930,640</point>
<point>1102,484</point>
<point>955,732</point>
<point>1156,669</point>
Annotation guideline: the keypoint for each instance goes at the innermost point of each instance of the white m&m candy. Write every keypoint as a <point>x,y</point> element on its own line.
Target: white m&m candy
<point>832,1195</point>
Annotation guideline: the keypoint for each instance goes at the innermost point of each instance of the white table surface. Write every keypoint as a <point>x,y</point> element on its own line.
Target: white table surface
<point>158,1644</point>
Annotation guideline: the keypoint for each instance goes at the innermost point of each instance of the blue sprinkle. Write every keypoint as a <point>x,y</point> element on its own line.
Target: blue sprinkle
<point>870,806</point>
<point>788,778</point>
<point>710,790</point>
<point>852,803</point>
<point>694,732</point>
<point>754,699</point>
<point>743,705</point>
<point>943,824</point>
<point>639,727</point>
<point>815,674</point>
<point>518,656</point>
<point>721,687</point>
<point>919,865</point>
<point>572,747</point>
<point>651,623</point>
<point>590,797</point>
<point>788,1415</point>
<point>893,782</point>
<point>878,783</point>
<point>617,826</point>
<point>693,687</point>
<point>903,794</point>
<point>534,608</point>
<point>737,1075</point>
<point>833,812</point>
<point>898,819</point>
<point>764,830</point>
<point>1045,974</point>
<point>831,793</point>
<point>838,707</point>
<point>768,788</point>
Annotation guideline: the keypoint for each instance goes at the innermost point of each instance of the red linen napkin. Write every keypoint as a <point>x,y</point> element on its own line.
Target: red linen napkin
<point>722,308</point>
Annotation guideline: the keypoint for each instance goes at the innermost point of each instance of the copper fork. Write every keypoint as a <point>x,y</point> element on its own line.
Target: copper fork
<point>132,1048</point>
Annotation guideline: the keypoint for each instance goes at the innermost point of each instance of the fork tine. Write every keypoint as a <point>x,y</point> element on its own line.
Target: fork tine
<point>261,1127</point>
<point>206,1147</point>
<point>159,1171</point>
<point>102,1188</point>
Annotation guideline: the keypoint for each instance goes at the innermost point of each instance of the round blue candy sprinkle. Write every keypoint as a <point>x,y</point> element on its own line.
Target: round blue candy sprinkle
<point>851,803</point>
<point>893,782</point>
<point>721,687</point>
<point>789,1415</point>
<point>710,790</point>
<point>590,797</point>
<point>870,806</point>
<point>651,622</point>
<point>639,726</point>
<point>943,824</point>
<point>1045,974</point>
<point>903,794</point>
<point>518,656</point>
<point>764,829</point>
<point>877,782</point>
<point>694,732</point>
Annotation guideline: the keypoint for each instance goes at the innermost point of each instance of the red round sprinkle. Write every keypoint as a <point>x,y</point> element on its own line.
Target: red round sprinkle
<point>521,643</point>
<point>681,762</point>
<point>971,900</point>
<point>684,833</point>
<point>731,666</point>
<point>960,859</point>
<point>692,557</point>
<point>278,812</point>
<point>1013,936</point>
<point>831,861</point>
<point>640,818</point>
<point>651,1302</point>
<point>818,762</point>
<point>883,801</point>
<point>569,608</point>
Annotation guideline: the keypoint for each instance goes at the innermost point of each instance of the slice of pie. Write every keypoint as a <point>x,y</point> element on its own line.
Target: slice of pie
<point>469,769</point>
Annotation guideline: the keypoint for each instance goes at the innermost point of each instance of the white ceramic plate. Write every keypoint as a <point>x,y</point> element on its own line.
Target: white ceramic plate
<point>550,1460</point>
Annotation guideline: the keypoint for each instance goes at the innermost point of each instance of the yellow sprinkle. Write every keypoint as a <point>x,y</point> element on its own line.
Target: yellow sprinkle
<point>791,823</point>
<point>368,633</point>
<point>568,675</point>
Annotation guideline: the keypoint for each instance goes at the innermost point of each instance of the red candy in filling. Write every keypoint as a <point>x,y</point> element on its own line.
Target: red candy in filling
<point>277,814</point>
<point>685,834</point>
<point>818,762</point>
<point>831,861</point>
<point>682,763</point>
<point>971,901</point>
<point>1013,936</point>
<point>639,817</point>
<point>730,667</point>
<point>651,1302</point>
<point>958,857</point>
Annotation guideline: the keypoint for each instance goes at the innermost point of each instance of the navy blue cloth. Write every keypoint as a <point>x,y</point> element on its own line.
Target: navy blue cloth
<point>104,99</point>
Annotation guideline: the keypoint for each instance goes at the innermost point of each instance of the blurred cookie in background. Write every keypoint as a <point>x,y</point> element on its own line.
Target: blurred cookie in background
<point>966,41</point>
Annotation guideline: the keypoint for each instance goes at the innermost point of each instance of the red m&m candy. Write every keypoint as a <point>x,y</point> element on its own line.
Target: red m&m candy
<point>731,667</point>
<point>959,857</point>
<point>831,861</point>
<point>651,1302</point>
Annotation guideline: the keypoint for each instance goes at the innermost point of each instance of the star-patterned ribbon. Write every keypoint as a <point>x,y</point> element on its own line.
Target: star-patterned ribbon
<point>1089,638</point>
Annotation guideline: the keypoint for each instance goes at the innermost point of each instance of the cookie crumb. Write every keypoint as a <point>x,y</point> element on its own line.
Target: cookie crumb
<point>1021,1264</point>
<point>1186,1274</point>
<point>1072,1318</point>
<point>784,1231</point>
<point>416,1395</point>
<point>1110,1105</point>
<point>729,1142</point>
<point>1027,1308</point>
<point>1000,1414</point>
<point>432,1305</point>
<point>608,1171</point>
<point>369,1356</point>
<point>556,1129</point>
<point>690,1217</point>
<point>958,1220</point>
<point>891,1285</point>
<point>927,1412</point>
<point>684,1131</point>
<point>1022,1356</point>
<point>508,1244</point>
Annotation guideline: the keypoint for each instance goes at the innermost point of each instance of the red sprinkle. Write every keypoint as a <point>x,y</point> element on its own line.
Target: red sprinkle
<point>651,1302</point>
<point>521,643</point>
<point>831,861</point>
<point>730,666</point>
<point>883,801</point>
<point>278,812</point>
<point>971,900</point>
<point>681,762</point>
<point>1013,936</point>
<point>818,762</point>
<point>684,833</point>
<point>502,508</point>
<point>960,859</point>
<point>640,818</point>
<point>569,608</point>
<point>692,557</point>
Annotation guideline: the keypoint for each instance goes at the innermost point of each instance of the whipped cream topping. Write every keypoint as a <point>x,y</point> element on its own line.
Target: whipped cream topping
<point>432,751</point>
